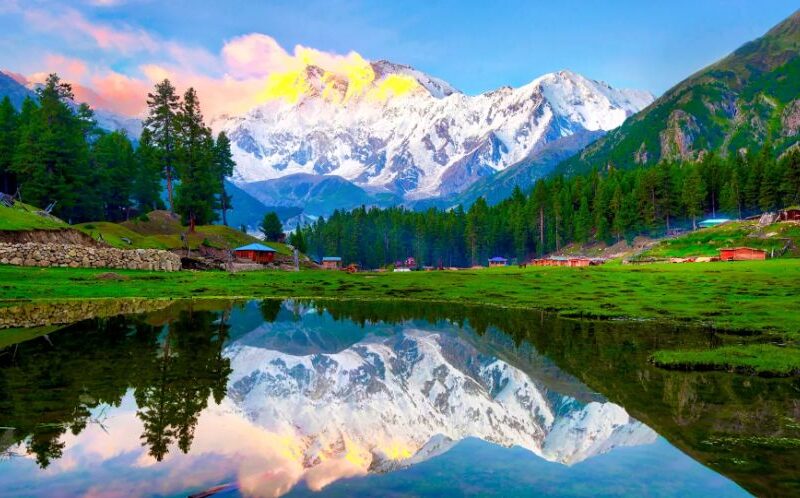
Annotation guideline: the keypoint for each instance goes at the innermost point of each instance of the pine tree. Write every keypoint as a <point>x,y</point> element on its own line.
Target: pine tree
<point>731,196</point>
<point>477,229</point>
<point>540,197</point>
<point>223,164</point>
<point>195,199</point>
<point>297,239</point>
<point>271,227</point>
<point>9,123</point>
<point>114,161</point>
<point>790,188</point>
<point>52,153</point>
<point>146,188</point>
<point>693,194</point>
<point>163,105</point>
<point>583,221</point>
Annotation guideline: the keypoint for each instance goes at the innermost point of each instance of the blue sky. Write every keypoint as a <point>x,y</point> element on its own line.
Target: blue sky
<point>475,45</point>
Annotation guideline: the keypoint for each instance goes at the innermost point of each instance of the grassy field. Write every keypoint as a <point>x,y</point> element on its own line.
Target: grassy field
<point>755,300</point>
<point>24,217</point>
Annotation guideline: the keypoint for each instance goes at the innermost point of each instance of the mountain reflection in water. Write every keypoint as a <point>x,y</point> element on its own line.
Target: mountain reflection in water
<point>269,398</point>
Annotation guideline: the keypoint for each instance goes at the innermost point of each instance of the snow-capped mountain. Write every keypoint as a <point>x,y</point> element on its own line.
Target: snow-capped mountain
<point>390,401</point>
<point>392,129</point>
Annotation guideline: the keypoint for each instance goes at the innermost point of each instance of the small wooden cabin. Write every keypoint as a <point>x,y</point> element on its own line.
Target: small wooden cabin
<point>497,261</point>
<point>331,262</point>
<point>258,253</point>
<point>741,254</point>
<point>791,214</point>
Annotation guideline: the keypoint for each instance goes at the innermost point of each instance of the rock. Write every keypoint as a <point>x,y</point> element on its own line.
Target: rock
<point>75,256</point>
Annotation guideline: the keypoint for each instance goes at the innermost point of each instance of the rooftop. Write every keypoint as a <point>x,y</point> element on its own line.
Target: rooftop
<point>331,258</point>
<point>255,247</point>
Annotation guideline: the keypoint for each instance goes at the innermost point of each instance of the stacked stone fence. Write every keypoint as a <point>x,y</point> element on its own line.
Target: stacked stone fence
<point>78,256</point>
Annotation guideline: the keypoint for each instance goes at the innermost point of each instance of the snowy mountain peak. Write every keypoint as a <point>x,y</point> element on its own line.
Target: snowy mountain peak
<point>353,79</point>
<point>386,127</point>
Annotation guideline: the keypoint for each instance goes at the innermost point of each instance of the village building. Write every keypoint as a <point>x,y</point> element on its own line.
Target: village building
<point>258,253</point>
<point>741,254</point>
<point>497,261</point>
<point>331,262</point>
<point>790,214</point>
<point>576,261</point>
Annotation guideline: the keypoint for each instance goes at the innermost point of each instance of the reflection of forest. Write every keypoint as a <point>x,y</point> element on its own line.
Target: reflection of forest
<point>49,387</point>
<point>748,428</point>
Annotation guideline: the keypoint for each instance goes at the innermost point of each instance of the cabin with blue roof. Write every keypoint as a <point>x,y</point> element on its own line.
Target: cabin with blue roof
<point>497,261</point>
<point>331,262</point>
<point>256,252</point>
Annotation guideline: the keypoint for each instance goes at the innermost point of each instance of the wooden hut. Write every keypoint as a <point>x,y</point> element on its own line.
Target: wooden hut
<point>331,262</point>
<point>790,214</point>
<point>741,254</point>
<point>497,261</point>
<point>256,252</point>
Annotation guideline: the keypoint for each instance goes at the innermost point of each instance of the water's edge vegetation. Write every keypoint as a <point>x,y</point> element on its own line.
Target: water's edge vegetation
<point>747,304</point>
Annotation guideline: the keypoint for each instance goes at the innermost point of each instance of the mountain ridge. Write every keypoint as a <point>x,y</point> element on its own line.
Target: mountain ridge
<point>739,102</point>
<point>427,140</point>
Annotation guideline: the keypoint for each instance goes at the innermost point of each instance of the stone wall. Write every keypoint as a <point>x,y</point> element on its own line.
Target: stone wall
<point>78,256</point>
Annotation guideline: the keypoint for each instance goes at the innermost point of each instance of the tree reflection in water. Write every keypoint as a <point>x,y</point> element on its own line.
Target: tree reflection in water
<point>50,387</point>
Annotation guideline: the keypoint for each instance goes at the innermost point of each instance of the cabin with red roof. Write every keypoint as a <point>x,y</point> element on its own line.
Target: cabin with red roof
<point>741,254</point>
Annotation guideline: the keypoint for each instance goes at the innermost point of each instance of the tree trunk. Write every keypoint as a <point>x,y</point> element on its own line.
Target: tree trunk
<point>541,231</point>
<point>224,207</point>
<point>169,188</point>
<point>191,223</point>
<point>713,205</point>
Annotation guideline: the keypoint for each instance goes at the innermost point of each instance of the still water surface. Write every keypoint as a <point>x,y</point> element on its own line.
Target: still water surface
<point>298,398</point>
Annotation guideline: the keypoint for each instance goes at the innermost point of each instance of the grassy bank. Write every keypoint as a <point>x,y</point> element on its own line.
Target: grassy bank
<point>748,297</point>
<point>764,359</point>
<point>776,239</point>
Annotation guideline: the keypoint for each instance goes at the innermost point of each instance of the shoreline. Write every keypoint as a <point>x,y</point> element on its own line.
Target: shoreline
<point>747,303</point>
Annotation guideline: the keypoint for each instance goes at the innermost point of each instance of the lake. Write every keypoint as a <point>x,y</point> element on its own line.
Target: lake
<point>342,398</point>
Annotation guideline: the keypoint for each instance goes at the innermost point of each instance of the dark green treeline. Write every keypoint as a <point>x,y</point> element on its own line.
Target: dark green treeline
<point>53,153</point>
<point>609,206</point>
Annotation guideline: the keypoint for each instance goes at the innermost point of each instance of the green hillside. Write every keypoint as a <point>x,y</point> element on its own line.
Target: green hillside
<point>24,217</point>
<point>160,230</point>
<point>745,99</point>
<point>778,239</point>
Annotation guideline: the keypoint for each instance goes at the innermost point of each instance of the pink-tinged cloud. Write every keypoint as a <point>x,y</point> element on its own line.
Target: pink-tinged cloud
<point>230,82</point>
<point>254,55</point>
<point>121,93</point>
<point>67,67</point>
<point>72,24</point>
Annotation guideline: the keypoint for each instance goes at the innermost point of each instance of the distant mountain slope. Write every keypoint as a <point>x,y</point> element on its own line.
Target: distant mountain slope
<point>13,89</point>
<point>750,96</point>
<point>17,89</point>
<point>316,194</point>
<point>524,174</point>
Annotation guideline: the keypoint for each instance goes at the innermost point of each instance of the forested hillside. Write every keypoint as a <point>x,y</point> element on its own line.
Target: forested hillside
<point>52,154</point>
<point>607,205</point>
